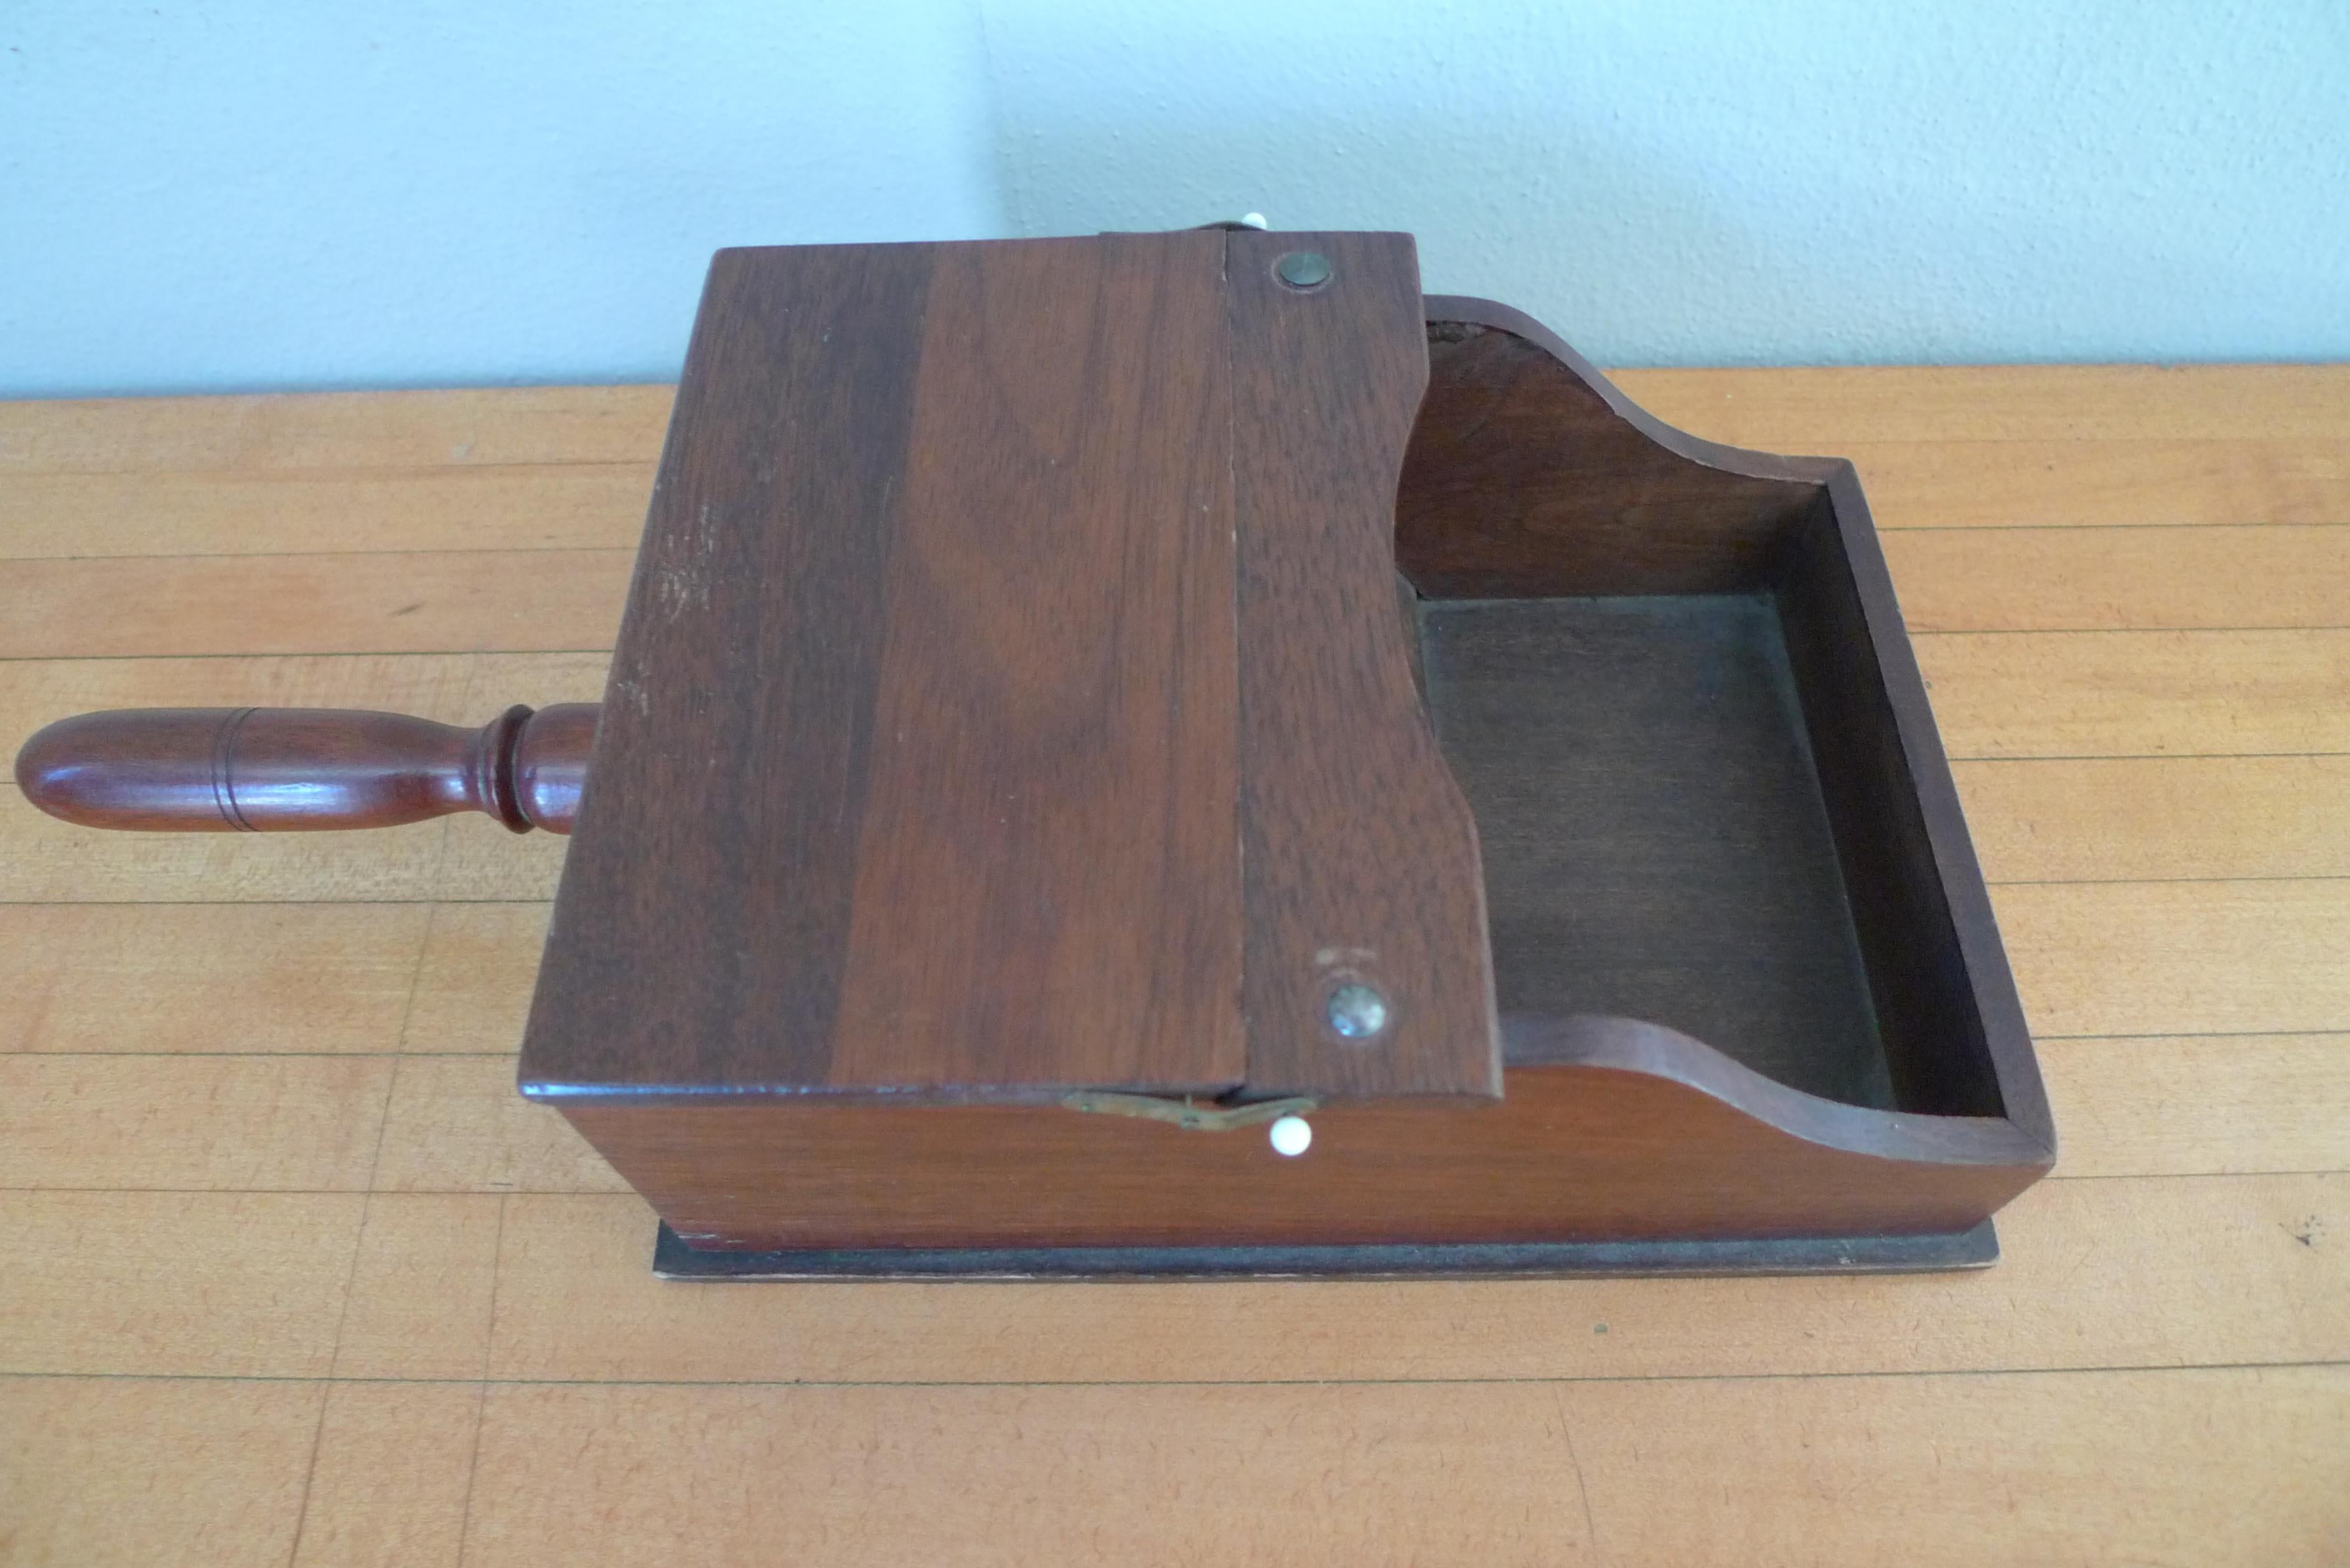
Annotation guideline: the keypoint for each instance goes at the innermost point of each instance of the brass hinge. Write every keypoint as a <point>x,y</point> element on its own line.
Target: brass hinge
<point>1190,1115</point>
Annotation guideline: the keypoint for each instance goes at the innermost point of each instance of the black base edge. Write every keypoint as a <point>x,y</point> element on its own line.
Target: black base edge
<point>1977,1248</point>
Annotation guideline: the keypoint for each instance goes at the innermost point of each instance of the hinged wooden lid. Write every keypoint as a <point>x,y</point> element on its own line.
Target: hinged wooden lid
<point>1012,698</point>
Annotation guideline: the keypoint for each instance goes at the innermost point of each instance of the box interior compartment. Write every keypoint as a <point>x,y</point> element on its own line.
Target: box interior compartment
<point>1694,809</point>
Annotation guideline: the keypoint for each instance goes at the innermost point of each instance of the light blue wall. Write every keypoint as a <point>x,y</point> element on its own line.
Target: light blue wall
<point>408,193</point>
<point>359,194</point>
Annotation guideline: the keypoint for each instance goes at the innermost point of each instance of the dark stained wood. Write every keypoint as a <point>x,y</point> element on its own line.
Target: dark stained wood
<point>274,770</point>
<point>1499,500</point>
<point>1529,474</point>
<point>704,907</point>
<point>1607,1129</point>
<point>550,762</point>
<point>1656,845</point>
<point>1048,880</point>
<point>1359,849</point>
<point>1954,1032</point>
<point>917,769</point>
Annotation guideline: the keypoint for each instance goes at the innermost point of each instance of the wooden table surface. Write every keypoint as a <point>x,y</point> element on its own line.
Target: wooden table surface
<point>293,1274</point>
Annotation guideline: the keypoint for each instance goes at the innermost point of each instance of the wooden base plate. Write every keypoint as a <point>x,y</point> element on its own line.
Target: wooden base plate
<point>1973,1249</point>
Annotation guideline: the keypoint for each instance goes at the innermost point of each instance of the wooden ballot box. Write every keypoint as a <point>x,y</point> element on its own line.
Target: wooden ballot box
<point>1179,754</point>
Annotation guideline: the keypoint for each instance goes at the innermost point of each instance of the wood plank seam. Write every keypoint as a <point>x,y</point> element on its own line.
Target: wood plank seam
<point>481,1399</point>
<point>1562,1380</point>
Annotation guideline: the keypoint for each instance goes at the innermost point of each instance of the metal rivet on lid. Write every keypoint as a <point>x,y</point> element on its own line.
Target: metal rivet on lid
<point>1303,269</point>
<point>1356,1011</point>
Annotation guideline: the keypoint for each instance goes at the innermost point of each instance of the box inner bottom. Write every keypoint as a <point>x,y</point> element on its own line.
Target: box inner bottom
<point>1655,840</point>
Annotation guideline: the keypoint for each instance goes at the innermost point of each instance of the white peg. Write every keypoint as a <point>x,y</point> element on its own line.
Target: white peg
<point>1292,1137</point>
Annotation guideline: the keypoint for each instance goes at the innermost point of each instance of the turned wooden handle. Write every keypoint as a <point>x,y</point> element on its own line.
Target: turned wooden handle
<point>272,770</point>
